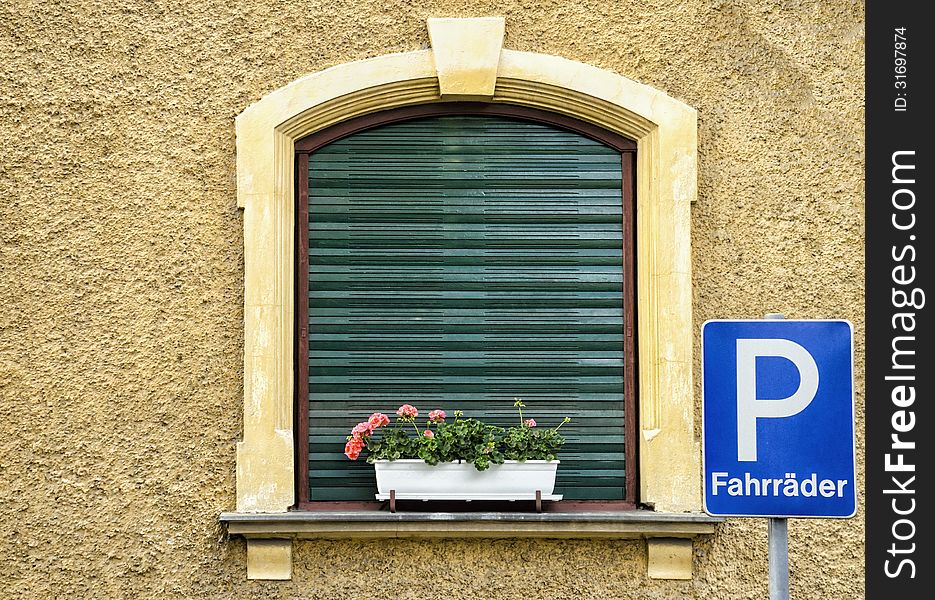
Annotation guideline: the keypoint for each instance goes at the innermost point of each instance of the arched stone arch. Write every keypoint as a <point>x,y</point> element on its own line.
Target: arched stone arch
<point>467,62</point>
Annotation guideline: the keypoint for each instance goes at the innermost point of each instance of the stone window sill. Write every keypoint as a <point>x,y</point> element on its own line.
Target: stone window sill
<point>269,535</point>
<point>376,524</point>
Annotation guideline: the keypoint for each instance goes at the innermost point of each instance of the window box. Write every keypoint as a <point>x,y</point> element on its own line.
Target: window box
<point>413,479</point>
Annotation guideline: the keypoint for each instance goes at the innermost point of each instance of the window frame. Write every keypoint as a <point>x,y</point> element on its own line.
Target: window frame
<point>305,146</point>
<point>666,131</point>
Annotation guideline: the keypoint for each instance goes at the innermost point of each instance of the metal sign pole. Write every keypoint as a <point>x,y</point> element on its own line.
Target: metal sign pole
<point>778,544</point>
<point>778,559</point>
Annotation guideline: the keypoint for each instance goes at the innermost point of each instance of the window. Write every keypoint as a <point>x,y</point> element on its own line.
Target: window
<point>456,256</point>
<point>466,60</point>
<point>665,130</point>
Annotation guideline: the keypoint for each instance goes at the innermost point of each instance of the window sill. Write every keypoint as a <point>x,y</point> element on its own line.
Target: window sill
<point>269,535</point>
<point>379,524</point>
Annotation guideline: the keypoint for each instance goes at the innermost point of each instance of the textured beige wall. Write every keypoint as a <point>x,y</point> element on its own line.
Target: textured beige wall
<point>121,276</point>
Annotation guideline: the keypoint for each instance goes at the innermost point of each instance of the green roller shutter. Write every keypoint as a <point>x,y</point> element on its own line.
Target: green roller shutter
<point>457,262</point>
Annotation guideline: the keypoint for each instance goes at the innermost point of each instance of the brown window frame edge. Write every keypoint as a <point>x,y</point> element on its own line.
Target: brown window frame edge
<point>309,144</point>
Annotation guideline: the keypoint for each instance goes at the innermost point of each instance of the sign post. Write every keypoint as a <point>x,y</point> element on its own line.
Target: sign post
<point>777,537</point>
<point>778,425</point>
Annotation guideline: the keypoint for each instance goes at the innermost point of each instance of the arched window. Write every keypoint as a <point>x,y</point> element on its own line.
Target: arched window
<point>467,61</point>
<point>457,256</point>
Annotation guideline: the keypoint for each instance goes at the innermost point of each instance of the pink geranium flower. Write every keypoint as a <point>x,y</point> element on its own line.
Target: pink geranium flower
<point>530,422</point>
<point>378,419</point>
<point>408,411</point>
<point>353,447</point>
<point>428,433</point>
<point>362,429</point>
<point>437,416</point>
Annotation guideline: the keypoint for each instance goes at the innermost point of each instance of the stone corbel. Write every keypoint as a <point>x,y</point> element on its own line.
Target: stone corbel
<point>269,559</point>
<point>669,558</point>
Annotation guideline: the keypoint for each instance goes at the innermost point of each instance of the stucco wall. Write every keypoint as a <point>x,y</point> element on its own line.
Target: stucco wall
<point>121,292</point>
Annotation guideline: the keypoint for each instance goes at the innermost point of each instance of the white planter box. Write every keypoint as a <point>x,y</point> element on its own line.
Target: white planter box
<point>412,479</point>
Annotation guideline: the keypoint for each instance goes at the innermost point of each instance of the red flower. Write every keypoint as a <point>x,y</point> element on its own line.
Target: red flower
<point>530,422</point>
<point>437,416</point>
<point>428,433</point>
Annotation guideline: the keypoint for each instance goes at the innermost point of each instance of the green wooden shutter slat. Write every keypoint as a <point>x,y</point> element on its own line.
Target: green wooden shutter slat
<point>457,263</point>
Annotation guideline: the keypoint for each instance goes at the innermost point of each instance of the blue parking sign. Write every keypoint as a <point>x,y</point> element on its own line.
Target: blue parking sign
<point>778,418</point>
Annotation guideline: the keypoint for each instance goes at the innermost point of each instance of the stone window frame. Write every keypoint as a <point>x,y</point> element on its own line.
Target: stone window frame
<point>467,62</point>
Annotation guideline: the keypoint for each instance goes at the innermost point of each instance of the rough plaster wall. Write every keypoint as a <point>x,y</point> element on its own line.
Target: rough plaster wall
<point>121,291</point>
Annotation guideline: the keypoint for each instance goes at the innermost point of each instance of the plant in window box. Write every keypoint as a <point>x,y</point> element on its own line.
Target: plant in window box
<point>458,459</point>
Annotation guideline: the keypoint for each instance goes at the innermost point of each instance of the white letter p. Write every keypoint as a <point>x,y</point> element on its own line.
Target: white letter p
<point>749,408</point>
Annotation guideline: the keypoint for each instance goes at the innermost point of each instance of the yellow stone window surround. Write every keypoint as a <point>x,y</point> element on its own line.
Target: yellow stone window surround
<point>467,61</point>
